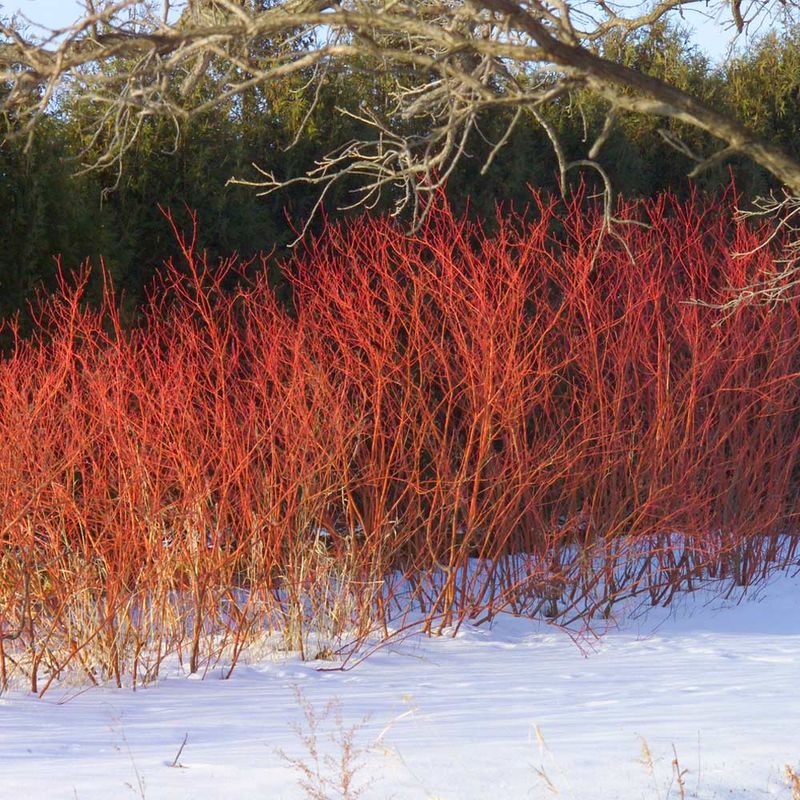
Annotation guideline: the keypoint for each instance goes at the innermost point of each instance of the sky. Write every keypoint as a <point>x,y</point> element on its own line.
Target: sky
<point>709,35</point>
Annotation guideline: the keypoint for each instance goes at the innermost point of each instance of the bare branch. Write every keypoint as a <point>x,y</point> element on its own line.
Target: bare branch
<point>445,63</point>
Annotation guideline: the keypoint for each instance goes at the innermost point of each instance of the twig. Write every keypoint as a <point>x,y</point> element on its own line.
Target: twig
<point>175,761</point>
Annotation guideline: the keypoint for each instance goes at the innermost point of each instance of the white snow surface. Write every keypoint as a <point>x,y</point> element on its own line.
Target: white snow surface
<point>451,718</point>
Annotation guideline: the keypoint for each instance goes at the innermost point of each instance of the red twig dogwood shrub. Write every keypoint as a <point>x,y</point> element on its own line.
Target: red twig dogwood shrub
<point>544,418</point>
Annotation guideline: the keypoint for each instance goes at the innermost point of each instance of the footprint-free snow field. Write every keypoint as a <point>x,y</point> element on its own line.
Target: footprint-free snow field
<point>703,700</point>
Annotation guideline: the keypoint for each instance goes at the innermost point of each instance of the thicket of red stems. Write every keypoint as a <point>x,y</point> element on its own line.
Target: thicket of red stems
<point>446,425</point>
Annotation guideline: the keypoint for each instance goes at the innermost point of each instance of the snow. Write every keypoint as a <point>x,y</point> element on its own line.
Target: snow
<point>492,713</point>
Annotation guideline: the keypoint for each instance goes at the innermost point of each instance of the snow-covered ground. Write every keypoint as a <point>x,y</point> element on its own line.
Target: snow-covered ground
<point>450,718</point>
